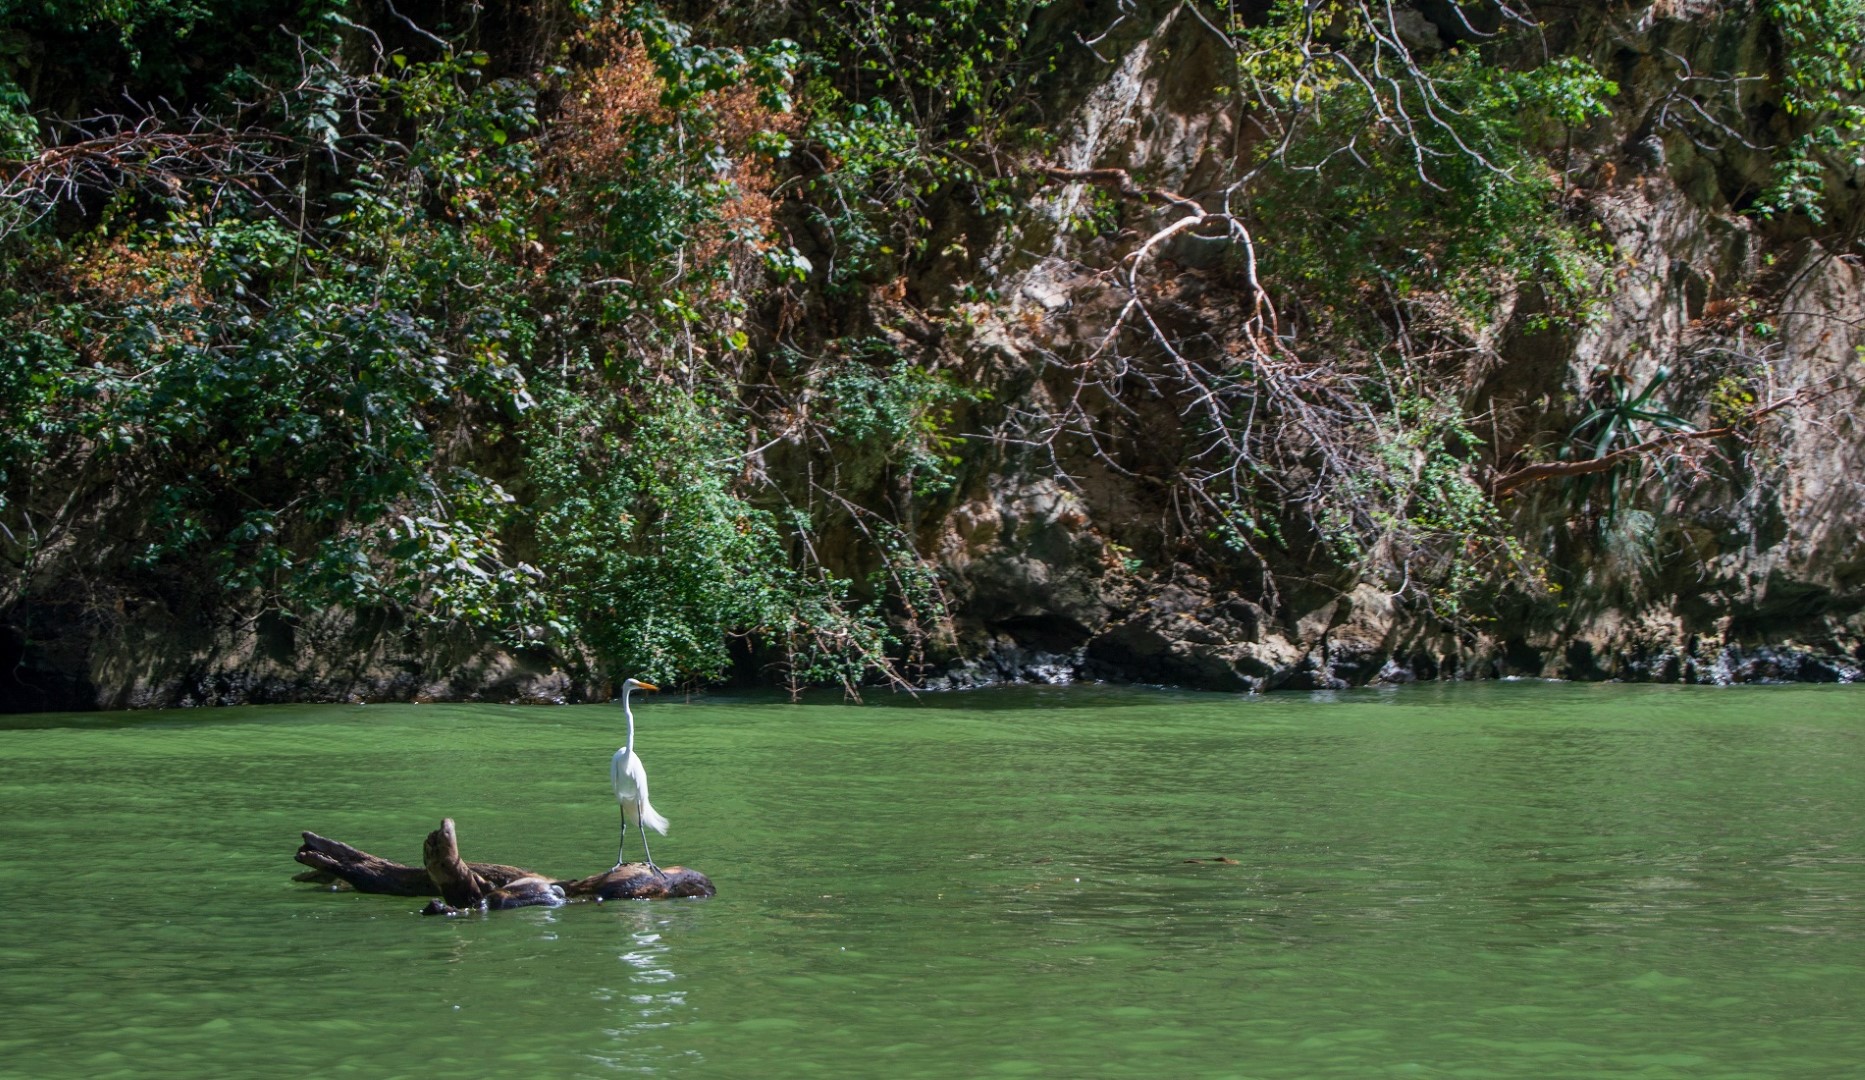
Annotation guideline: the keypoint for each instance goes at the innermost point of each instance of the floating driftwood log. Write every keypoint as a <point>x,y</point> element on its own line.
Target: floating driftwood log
<point>463,886</point>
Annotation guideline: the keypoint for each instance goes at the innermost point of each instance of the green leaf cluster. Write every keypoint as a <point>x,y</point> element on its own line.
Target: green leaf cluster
<point>1822,81</point>
<point>1455,201</point>
<point>436,364</point>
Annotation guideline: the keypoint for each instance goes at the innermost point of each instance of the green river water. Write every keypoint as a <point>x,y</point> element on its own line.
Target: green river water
<point>1490,880</point>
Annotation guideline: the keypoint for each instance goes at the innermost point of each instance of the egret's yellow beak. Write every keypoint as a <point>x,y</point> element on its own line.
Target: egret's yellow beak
<point>650,686</point>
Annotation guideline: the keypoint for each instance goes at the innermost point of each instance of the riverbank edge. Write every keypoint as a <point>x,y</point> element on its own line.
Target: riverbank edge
<point>1124,656</point>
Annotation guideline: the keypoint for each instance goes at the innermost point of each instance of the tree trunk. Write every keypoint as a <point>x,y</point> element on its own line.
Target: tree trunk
<point>462,885</point>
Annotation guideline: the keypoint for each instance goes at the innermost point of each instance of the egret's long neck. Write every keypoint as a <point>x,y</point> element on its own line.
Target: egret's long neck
<point>630,713</point>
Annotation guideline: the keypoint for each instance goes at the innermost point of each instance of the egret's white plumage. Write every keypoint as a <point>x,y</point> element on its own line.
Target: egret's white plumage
<point>630,778</point>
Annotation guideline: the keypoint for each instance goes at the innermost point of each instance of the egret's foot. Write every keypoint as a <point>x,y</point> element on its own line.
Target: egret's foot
<point>658,872</point>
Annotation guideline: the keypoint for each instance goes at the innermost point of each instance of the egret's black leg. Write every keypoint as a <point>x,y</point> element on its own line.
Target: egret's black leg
<point>623,846</point>
<point>643,827</point>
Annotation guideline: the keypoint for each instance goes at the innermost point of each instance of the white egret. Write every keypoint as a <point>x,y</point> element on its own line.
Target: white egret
<point>631,785</point>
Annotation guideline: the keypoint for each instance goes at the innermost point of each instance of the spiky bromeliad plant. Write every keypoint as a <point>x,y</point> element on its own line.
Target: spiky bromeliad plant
<point>1614,423</point>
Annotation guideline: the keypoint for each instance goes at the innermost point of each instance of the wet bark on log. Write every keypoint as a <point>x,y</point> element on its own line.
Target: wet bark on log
<point>464,886</point>
<point>372,874</point>
<point>637,881</point>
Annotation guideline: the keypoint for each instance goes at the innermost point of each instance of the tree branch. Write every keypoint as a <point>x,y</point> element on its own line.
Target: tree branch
<point>1511,482</point>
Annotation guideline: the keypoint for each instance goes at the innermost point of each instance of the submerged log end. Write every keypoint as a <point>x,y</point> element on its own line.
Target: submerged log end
<point>364,872</point>
<point>638,881</point>
<point>321,877</point>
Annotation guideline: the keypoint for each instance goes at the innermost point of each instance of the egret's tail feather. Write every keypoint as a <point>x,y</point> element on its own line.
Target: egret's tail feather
<point>653,820</point>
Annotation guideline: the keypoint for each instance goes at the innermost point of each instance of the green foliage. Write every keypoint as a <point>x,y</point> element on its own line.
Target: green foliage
<point>1822,80</point>
<point>334,405</point>
<point>935,57</point>
<point>640,505</point>
<point>471,334</point>
<point>649,202</point>
<point>895,414</point>
<point>1433,520</point>
<point>881,175</point>
<point>1100,217</point>
<point>689,70</point>
<point>19,131</point>
<point>913,98</point>
<point>285,429</point>
<point>103,51</point>
<point>1730,400</point>
<point>1459,207</point>
<point>1566,91</point>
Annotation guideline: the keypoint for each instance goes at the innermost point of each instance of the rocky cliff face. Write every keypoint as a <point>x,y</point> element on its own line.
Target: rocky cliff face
<point>1062,560</point>
<point>1749,569</point>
